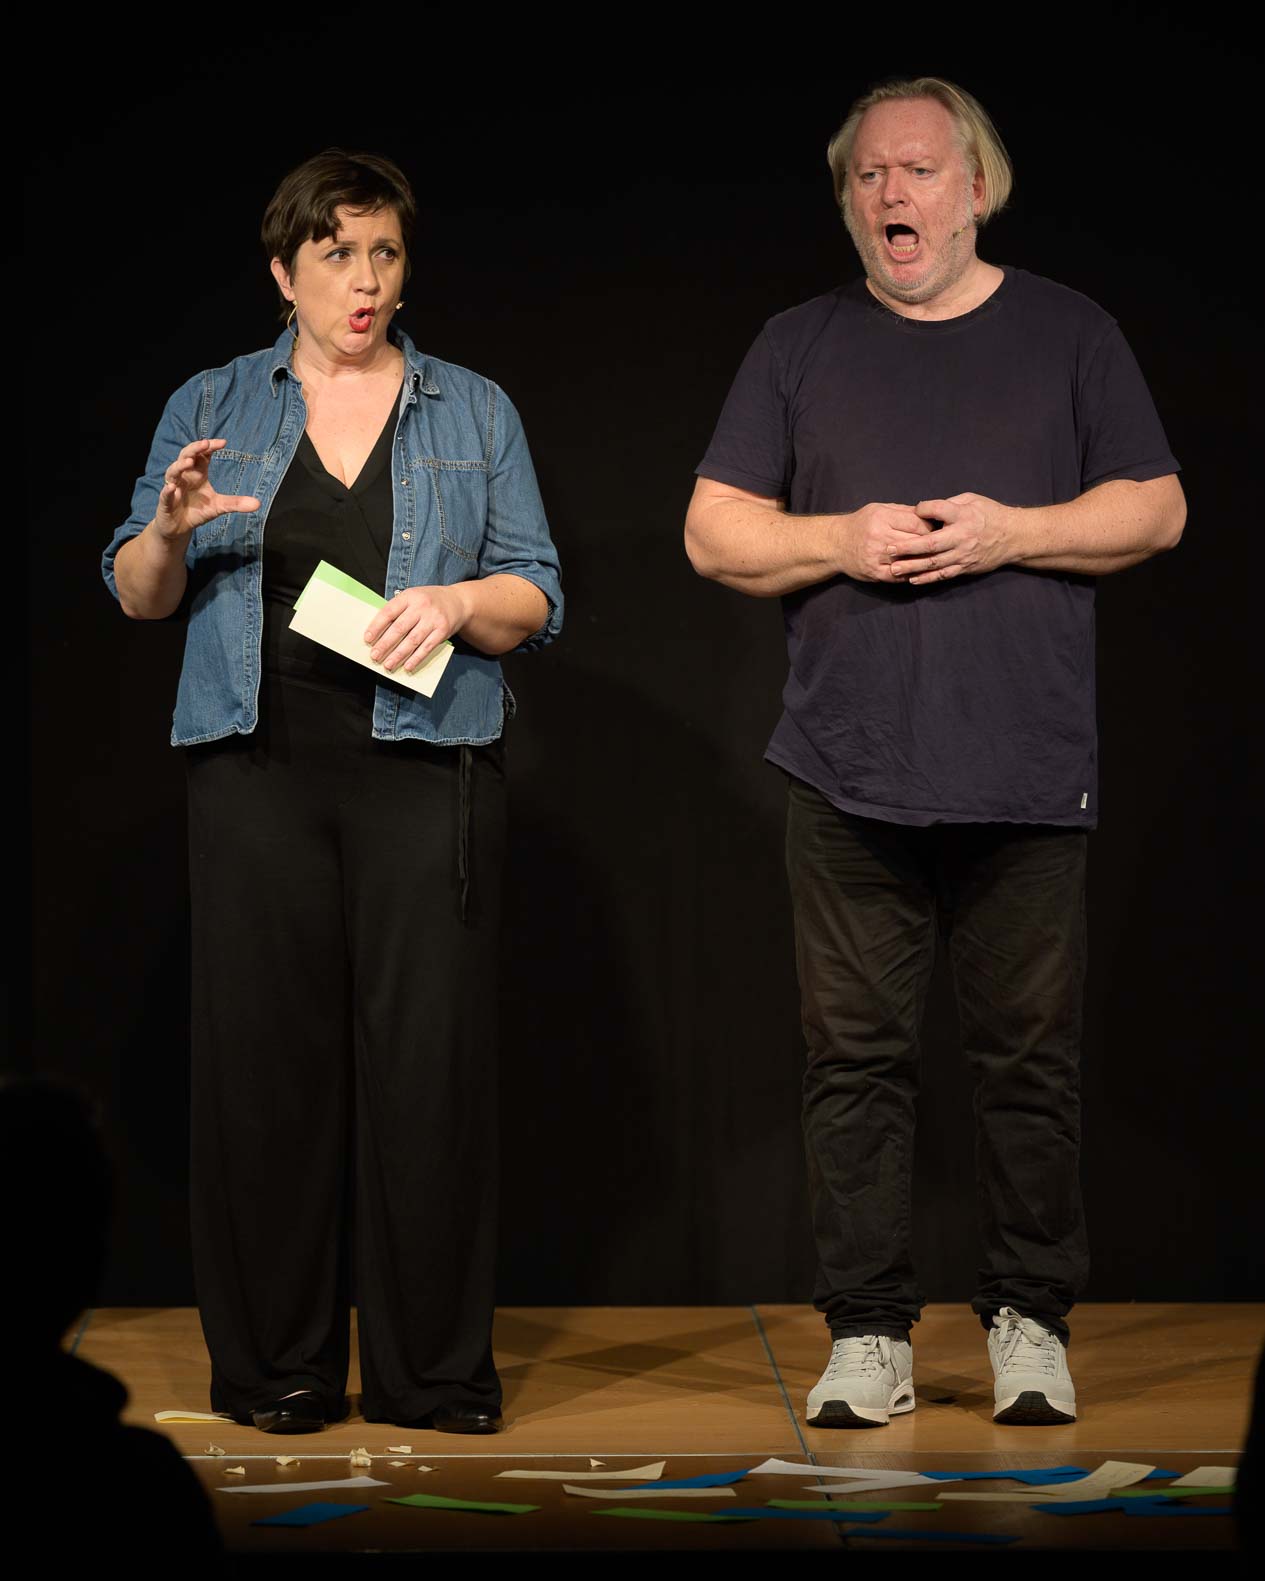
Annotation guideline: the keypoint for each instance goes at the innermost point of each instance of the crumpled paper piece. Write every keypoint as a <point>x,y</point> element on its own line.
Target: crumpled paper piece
<point>360,1457</point>
<point>234,1471</point>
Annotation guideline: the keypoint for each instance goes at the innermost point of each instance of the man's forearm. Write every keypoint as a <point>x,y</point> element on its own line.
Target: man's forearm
<point>760,549</point>
<point>1110,528</point>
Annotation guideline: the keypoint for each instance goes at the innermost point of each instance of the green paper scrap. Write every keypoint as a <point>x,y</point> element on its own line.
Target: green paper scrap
<point>1143,1492</point>
<point>325,572</point>
<point>433,1501</point>
<point>849,1504</point>
<point>637,1513</point>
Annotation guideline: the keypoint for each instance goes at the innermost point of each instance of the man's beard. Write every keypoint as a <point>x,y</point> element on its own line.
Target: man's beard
<point>946,266</point>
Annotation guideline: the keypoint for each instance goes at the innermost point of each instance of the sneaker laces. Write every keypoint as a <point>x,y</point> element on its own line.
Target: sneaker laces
<point>1023,1345</point>
<point>860,1356</point>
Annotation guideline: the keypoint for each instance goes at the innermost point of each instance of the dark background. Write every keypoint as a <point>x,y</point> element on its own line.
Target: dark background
<point>611,207</point>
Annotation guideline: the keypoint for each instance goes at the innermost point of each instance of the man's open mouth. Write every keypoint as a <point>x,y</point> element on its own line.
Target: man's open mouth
<point>902,240</point>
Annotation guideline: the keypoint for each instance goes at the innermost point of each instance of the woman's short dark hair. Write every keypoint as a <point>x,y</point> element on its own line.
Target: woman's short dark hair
<point>304,207</point>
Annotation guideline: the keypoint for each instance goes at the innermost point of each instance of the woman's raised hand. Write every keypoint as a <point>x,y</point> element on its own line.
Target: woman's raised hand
<point>187,499</point>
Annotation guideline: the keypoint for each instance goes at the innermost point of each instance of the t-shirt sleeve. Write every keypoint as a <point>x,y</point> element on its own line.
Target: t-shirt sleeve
<point>1121,433</point>
<point>750,448</point>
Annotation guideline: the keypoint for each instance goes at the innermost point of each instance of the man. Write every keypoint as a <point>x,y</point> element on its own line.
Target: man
<point>938,731</point>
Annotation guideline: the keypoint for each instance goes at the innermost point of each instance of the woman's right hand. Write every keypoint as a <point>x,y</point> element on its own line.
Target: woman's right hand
<point>187,500</point>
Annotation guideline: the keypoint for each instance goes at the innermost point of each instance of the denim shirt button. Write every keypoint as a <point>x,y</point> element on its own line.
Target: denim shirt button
<point>404,483</point>
<point>406,536</point>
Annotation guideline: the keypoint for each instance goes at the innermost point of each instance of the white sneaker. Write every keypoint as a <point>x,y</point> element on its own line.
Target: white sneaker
<point>1032,1383</point>
<point>867,1379</point>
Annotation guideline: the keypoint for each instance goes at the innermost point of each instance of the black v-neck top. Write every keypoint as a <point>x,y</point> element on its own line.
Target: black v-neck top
<point>314,517</point>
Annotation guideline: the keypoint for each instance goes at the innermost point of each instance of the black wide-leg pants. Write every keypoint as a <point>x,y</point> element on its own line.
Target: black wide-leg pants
<point>869,899</point>
<point>345,897</point>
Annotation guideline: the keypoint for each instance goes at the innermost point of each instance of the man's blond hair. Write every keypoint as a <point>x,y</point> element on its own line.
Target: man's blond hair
<point>981,147</point>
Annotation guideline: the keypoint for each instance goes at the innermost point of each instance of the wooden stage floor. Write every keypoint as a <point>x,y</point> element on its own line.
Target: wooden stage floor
<point>721,1389</point>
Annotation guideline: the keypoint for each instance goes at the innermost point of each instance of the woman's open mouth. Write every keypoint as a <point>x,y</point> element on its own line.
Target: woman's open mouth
<point>361,319</point>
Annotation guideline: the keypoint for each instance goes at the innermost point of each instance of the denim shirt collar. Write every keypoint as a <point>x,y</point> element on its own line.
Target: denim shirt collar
<point>419,376</point>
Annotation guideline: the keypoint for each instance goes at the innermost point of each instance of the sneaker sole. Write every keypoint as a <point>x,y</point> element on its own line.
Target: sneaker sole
<point>1032,1409</point>
<point>838,1413</point>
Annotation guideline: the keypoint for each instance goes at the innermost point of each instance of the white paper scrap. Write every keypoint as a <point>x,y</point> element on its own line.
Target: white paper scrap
<point>397,1462</point>
<point>192,1416</point>
<point>334,609</point>
<point>399,1449</point>
<point>426,1468</point>
<point>1098,1484</point>
<point>649,1493</point>
<point>1205,1477</point>
<point>593,1462</point>
<point>308,1487</point>
<point>797,1468</point>
<point>648,1473</point>
<point>214,1449</point>
<point>886,1479</point>
<point>234,1471</point>
<point>288,1460</point>
<point>360,1457</point>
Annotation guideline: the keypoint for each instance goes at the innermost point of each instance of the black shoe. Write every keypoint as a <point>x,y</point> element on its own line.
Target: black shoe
<point>464,1419</point>
<point>297,1413</point>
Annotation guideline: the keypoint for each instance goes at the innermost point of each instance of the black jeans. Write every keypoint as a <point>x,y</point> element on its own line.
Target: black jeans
<point>869,898</point>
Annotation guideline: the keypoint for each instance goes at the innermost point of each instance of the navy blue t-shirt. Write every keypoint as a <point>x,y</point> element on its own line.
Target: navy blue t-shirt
<point>968,701</point>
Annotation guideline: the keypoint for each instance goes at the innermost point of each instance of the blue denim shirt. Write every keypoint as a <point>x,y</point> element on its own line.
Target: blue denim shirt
<point>466,506</point>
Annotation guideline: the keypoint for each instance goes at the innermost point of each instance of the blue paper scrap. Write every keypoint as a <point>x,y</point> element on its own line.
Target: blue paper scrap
<point>310,1514</point>
<point>763,1512</point>
<point>709,1479</point>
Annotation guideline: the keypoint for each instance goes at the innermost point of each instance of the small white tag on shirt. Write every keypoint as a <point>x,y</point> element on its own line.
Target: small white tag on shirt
<point>1084,800</point>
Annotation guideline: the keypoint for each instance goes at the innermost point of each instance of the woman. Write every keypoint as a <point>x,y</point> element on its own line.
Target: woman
<point>345,831</point>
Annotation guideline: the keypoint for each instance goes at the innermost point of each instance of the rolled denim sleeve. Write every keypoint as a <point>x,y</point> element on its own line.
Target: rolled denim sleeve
<point>516,541</point>
<point>177,426</point>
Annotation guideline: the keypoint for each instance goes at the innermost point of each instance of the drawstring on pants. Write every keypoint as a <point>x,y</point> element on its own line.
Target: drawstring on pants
<point>463,826</point>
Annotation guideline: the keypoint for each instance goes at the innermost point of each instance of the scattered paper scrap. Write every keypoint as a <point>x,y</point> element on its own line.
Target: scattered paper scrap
<point>309,1487</point>
<point>633,1474</point>
<point>593,1462</point>
<point>399,1449</point>
<point>288,1460</point>
<point>234,1471</point>
<point>650,1493</point>
<point>709,1479</point>
<point>876,1484</point>
<point>397,1462</point>
<point>1209,1477</point>
<point>214,1449</point>
<point>671,1515</point>
<point>432,1501</point>
<point>851,1504</point>
<point>795,1468</point>
<point>192,1416</point>
<point>310,1514</point>
<point>1098,1484</point>
<point>426,1468</point>
<point>360,1457</point>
